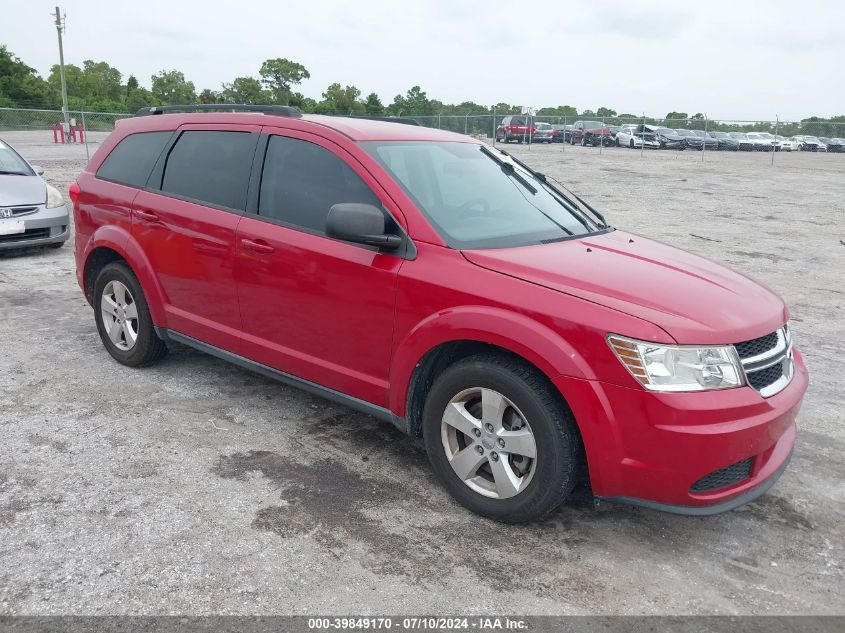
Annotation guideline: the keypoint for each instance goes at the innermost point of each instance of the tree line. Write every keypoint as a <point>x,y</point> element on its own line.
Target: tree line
<point>99,87</point>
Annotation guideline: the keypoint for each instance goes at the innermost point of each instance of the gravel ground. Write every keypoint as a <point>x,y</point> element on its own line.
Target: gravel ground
<point>194,487</point>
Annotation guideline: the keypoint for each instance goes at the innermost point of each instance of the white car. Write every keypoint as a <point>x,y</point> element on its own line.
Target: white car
<point>629,137</point>
<point>809,144</point>
<point>761,143</point>
<point>786,144</point>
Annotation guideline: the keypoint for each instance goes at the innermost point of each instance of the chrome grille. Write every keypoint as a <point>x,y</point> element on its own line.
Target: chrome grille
<point>757,346</point>
<point>18,211</point>
<point>767,361</point>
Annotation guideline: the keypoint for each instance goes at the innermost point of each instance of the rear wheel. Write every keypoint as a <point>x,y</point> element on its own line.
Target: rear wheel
<point>123,319</point>
<point>501,439</point>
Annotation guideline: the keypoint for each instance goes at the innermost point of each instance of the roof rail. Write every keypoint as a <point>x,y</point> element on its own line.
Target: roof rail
<point>277,110</point>
<point>392,119</point>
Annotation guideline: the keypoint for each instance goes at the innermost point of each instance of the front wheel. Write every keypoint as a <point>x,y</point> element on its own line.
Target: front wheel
<point>123,319</point>
<point>501,439</point>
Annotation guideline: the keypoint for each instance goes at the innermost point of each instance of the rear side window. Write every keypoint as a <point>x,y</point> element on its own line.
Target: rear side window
<point>131,162</point>
<point>211,167</point>
<point>302,181</point>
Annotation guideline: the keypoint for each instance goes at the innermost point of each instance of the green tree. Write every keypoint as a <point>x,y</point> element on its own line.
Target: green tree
<point>209,96</point>
<point>338,100</point>
<point>169,87</point>
<point>279,75</point>
<point>680,119</point>
<point>244,90</point>
<point>20,84</point>
<point>373,105</point>
<point>605,113</point>
<point>414,103</point>
<point>101,81</point>
<point>138,98</point>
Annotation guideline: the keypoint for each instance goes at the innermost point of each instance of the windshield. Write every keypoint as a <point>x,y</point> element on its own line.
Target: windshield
<point>685,132</point>
<point>738,135</point>
<point>476,197</point>
<point>666,131</point>
<point>11,162</point>
<point>812,139</point>
<point>543,126</point>
<point>592,125</point>
<point>719,134</point>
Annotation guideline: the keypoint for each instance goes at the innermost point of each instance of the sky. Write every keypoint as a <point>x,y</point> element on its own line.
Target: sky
<point>729,59</point>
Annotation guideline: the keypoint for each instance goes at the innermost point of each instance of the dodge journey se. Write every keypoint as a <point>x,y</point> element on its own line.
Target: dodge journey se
<point>438,283</point>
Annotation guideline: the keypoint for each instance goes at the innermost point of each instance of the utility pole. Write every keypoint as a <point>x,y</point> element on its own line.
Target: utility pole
<point>60,27</point>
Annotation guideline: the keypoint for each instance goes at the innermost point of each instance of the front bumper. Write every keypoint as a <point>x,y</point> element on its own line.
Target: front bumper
<point>650,448</point>
<point>44,227</point>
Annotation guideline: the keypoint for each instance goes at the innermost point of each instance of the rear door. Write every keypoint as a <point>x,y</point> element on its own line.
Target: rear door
<point>315,307</point>
<point>185,221</point>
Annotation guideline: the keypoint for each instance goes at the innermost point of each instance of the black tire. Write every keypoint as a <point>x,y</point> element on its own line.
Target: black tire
<point>148,347</point>
<point>559,462</point>
<point>584,141</point>
<point>631,144</point>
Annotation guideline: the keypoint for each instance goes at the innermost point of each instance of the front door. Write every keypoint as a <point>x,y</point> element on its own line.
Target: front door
<point>314,307</point>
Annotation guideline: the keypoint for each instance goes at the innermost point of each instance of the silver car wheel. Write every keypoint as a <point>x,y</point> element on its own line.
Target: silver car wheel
<point>120,315</point>
<point>488,443</point>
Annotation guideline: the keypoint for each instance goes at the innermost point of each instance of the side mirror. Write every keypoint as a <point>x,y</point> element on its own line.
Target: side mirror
<point>38,170</point>
<point>362,224</point>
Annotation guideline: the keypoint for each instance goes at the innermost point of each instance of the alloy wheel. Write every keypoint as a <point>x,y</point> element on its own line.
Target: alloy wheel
<point>120,315</point>
<point>488,443</point>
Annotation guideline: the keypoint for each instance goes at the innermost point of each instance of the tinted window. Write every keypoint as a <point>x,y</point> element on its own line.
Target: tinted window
<point>211,167</point>
<point>131,162</point>
<point>302,181</point>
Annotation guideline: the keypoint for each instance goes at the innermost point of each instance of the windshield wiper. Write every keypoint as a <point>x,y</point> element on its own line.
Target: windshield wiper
<point>508,169</point>
<point>3,172</point>
<point>545,179</point>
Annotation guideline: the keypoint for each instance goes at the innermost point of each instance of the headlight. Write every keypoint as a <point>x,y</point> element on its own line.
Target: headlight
<point>54,197</point>
<point>679,367</point>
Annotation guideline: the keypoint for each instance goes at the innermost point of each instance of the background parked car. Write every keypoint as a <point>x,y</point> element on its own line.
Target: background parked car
<point>590,133</point>
<point>709,141</point>
<point>517,128</point>
<point>691,140</point>
<point>32,213</point>
<point>809,143</point>
<point>561,133</point>
<point>629,137</point>
<point>833,144</point>
<point>667,137</point>
<point>786,144</point>
<point>745,144</point>
<point>760,142</point>
<point>725,141</point>
<point>542,133</point>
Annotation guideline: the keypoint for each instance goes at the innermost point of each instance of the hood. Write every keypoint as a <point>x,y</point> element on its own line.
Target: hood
<point>21,190</point>
<point>695,300</point>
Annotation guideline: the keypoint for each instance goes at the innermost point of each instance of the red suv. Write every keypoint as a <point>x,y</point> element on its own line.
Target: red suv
<point>516,128</point>
<point>435,282</point>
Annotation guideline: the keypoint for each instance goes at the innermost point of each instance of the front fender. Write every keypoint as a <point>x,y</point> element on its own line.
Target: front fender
<point>121,241</point>
<point>517,333</point>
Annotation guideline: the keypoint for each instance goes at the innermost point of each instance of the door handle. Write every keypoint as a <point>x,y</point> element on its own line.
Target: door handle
<point>147,216</point>
<point>259,246</point>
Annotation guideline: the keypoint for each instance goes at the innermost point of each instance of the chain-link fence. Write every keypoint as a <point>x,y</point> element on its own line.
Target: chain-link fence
<point>823,135</point>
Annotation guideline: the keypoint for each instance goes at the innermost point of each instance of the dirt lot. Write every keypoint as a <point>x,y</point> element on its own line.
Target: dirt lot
<point>194,487</point>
